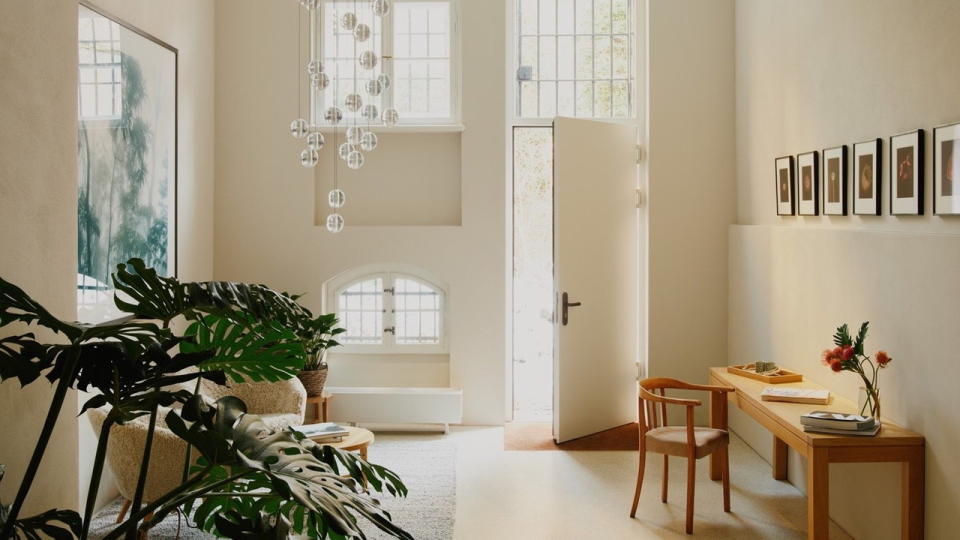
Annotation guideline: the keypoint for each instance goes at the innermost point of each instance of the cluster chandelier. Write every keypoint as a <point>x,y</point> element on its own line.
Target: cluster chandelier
<point>355,112</point>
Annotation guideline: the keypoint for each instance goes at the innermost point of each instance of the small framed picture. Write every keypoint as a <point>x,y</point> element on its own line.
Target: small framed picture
<point>866,177</point>
<point>906,173</point>
<point>808,188</point>
<point>835,181</point>
<point>784,185</point>
<point>946,170</point>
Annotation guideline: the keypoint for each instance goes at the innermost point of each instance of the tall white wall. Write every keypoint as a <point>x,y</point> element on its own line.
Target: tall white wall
<point>816,74</point>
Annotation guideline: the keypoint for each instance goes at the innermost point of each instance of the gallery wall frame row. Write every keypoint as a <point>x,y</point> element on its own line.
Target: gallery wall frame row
<point>841,179</point>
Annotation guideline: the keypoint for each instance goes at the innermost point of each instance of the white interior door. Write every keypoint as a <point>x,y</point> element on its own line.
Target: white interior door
<point>596,265</point>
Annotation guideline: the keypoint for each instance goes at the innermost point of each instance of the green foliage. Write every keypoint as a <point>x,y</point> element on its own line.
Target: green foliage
<point>55,524</point>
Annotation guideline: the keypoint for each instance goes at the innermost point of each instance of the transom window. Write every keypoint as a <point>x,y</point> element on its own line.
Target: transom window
<point>574,58</point>
<point>415,47</point>
<point>391,312</point>
<point>100,67</point>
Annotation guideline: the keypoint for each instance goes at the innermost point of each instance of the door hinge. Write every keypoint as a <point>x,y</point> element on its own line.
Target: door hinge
<point>390,290</point>
<point>639,154</point>
<point>639,198</point>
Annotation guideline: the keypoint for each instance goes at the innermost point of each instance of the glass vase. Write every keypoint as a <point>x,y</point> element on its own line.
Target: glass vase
<point>868,402</point>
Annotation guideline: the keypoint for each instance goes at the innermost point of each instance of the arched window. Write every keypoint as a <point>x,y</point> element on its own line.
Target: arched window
<point>389,312</point>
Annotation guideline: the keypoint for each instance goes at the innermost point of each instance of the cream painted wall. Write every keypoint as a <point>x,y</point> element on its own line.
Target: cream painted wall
<point>874,68</point>
<point>690,174</point>
<point>265,211</point>
<point>38,224</point>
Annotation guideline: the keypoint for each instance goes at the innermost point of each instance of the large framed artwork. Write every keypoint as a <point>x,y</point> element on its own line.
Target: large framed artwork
<point>866,177</point>
<point>906,173</point>
<point>783,185</point>
<point>127,156</point>
<point>835,181</point>
<point>808,187</point>
<point>946,170</point>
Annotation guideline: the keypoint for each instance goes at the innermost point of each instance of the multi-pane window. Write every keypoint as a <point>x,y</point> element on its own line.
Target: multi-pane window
<point>392,313</point>
<point>574,58</point>
<point>415,47</point>
<point>100,67</point>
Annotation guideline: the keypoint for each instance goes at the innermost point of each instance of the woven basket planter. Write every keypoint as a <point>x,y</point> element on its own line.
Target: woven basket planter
<point>313,380</point>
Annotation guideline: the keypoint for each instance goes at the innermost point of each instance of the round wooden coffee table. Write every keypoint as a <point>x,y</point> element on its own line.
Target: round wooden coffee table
<point>358,440</point>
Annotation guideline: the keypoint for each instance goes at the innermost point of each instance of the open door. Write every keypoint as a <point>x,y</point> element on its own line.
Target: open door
<point>596,276</point>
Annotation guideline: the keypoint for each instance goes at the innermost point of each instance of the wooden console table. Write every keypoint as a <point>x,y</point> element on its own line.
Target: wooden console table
<point>892,444</point>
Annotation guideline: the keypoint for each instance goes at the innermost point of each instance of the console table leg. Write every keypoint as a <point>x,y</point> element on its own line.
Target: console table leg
<point>911,500</point>
<point>716,421</point>
<point>779,459</point>
<point>818,494</point>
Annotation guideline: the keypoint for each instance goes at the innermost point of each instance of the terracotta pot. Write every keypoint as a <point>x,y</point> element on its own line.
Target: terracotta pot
<point>313,380</point>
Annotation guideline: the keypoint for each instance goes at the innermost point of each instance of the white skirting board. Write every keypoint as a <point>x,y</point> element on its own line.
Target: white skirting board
<point>389,405</point>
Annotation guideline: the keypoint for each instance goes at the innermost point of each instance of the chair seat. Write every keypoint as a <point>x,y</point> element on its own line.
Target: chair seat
<point>672,440</point>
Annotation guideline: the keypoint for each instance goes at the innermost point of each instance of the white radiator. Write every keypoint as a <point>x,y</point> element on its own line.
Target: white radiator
<point>383,405</point>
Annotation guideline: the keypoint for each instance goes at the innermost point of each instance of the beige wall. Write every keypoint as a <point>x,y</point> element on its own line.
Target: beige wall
<point>816,74</point>
<point>265,209</point>
<point>691,183</point>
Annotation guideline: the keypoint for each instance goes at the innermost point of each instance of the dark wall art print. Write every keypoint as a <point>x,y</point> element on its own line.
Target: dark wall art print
<point>946,170</point>
<point>808,186</point>
<point>906,173</point>
<point>835,181</point>
<point>783,185</point>
<point>866,177</point>
<point>127,156</point>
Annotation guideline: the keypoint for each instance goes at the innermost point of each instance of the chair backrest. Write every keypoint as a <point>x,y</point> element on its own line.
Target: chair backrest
<point>652,414</point>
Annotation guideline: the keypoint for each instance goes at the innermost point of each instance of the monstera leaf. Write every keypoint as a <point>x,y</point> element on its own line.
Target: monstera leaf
<point>16,305</point>
<point>55,524</point>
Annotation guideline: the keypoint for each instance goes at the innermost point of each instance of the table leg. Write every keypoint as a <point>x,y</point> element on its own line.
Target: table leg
<point>818,494</point>
<point>324,405</point>
<point>716,421</point>
<point>779,459</point>
<point>911,499</point>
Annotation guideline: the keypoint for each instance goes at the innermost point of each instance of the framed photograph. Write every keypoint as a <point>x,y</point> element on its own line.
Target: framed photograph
<point>906,173</point>
<point>946,170</point>
<point>866,177</point>
<point>835,181</point>
<point>808,187</point>
<point>783,185</point>
<point>127,157</point>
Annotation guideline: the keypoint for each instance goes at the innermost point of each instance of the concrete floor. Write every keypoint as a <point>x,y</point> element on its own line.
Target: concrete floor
<point>560,495</point>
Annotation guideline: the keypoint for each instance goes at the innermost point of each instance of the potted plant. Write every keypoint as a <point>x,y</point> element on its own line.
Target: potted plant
<point>317,336</point>
<point>848,355</point>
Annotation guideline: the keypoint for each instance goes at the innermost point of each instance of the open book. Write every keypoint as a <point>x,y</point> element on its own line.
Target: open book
<point>795,395</point>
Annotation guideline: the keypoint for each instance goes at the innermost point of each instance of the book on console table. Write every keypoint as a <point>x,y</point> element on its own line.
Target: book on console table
<point>795,395</point>
<point>835,420</point>
<point>324,431</point>
<point>831,431</point>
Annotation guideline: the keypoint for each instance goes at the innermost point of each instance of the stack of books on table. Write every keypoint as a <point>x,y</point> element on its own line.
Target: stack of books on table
<point>836,423</point>
<point>325,432</point>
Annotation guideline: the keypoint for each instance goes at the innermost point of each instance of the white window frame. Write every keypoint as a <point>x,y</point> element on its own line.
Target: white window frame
<point>408,124</point>
<point>389,275</point>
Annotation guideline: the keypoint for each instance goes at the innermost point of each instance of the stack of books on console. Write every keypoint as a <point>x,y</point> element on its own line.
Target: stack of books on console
<point>325,432</point>
<point>836,423</point>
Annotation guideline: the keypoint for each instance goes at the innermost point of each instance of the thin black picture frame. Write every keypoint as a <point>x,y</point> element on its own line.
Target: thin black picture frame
<point>790,180</point>
<point>936,177</point>
<point>843,179</point>
<point>877,176</point>
<point>918,164</point>
<point>815,169</point>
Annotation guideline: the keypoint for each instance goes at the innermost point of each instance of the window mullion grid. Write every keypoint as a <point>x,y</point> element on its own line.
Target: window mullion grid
<point>389,310</point>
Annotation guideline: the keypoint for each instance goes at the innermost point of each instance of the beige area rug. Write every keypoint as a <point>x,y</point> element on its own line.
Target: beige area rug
<point>539,436</point>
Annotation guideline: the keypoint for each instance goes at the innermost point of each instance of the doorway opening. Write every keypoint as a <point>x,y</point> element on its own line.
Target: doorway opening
<point>533,287</point>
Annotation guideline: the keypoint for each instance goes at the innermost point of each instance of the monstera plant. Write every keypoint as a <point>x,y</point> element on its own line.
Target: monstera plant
<point>241,480</point>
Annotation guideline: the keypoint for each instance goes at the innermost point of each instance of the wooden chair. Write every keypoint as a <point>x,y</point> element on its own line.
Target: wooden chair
<point>657,435</point>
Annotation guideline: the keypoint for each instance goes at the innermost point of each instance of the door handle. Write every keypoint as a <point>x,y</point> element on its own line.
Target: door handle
<point>567,304</point>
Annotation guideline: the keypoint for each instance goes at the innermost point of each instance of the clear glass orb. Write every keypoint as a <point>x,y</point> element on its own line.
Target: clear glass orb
<point>361,32</point>
<point>319,80</point>
<point>353,102</point>
<point>315,140</point>
<point>309,158</point>
<point>368,59</point>
<point>381,7</point>
<point>390,117</point>
<point>368,141</point>
<point>334,223</point>
<point>298,128</point>
<point>334,115</point>
<point>314,67</point>
<point>384,80</point>
<point>309,4</point>
<point>348,21</point>
<point>374,87</point>
<point>355,160</point>
<point>345,150</point>
<point>370,112</point>
<point>353,135</point>
<point>336,198</point>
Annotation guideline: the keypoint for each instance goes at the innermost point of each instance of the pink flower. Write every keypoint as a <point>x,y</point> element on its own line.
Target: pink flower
<point>847,353</point>
<point>883,358</point>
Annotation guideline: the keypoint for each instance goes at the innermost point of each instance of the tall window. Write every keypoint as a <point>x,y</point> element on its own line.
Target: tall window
<point>100,67</point>
<point>574,58</point>
<point>391,313</point>
<point>416,49</point>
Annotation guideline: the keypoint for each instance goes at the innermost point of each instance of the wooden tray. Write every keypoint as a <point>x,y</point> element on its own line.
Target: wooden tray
<point>781,376</point>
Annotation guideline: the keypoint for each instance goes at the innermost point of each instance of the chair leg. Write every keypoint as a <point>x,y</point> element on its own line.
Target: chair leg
<point>144,530</point>
<point>636,493</point>
<point>691,481</point>
<point>666,474</point>
<point>123,510</point>
<point>725,472</point>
